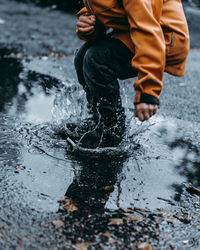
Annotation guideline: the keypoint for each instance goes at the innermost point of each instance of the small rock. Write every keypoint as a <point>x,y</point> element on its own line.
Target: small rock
<point>133,217</point>
<point>81,246</point>
<point>58,223</point>
<point>107,188</point>
<point>20,167</point>
<point>144,246</point>
<point>68,204</point>
<point>116,221</point>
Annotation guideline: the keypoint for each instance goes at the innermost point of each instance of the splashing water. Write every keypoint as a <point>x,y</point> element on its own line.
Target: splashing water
<point>70,106</point>
<point>70,103</point>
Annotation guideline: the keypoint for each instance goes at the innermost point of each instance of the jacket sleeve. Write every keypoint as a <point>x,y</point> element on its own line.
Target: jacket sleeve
<point>149,45</point>
<point>99,28</point>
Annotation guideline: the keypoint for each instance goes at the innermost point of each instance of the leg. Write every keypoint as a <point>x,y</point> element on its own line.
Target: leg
<point>104,62</point>
<point>78,63</point>
<point>98,66</point>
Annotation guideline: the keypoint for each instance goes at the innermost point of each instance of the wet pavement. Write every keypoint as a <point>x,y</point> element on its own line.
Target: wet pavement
<point>148,195</point>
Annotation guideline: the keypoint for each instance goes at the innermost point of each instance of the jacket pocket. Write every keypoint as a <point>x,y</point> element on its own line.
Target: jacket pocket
<point>177,47</point>
<point>169,40</point>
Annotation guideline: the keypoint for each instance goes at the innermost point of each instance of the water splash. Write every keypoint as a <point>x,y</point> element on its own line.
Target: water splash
<point>70,103</point>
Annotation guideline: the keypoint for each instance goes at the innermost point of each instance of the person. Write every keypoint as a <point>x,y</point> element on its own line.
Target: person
<point>125,39</point>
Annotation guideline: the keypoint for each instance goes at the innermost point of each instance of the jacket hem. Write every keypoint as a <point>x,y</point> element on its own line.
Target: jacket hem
<point>174,72</point>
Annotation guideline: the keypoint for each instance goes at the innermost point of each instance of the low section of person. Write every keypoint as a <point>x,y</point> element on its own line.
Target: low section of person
<point>125,39</point>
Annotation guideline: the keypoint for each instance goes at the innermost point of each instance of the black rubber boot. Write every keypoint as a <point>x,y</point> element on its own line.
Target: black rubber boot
<point>97,131</point>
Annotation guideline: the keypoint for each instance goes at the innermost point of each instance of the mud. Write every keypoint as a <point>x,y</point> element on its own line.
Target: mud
<point>53,199</point>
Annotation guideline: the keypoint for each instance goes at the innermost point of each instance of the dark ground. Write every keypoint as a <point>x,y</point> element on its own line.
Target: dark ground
<point>137,201</point>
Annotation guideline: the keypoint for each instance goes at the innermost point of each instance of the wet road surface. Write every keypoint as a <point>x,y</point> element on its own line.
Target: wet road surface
<point>53,199</point>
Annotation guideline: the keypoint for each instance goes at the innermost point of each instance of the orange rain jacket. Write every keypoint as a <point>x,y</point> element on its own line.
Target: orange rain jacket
<point>155,30</point>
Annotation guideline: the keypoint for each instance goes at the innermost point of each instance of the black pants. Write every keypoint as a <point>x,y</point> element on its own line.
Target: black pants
<point>98,65</point>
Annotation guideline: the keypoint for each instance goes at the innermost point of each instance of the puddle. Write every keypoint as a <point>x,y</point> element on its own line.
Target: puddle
<point>38,171</point>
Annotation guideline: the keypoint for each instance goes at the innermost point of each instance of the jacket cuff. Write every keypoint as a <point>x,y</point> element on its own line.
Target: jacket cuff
<point>150,99</point>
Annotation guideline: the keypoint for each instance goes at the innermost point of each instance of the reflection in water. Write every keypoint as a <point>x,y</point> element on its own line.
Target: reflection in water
<point>92,186</point>
<point>189,163</point>
<point>9,79</point>
<point>18,86</point>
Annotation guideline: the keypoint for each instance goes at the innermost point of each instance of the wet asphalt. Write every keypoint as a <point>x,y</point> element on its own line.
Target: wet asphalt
<point>51,199</point>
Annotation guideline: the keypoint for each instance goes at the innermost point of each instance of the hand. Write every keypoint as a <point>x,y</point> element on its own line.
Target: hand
<point>144,111</point>
<point>86,24</point>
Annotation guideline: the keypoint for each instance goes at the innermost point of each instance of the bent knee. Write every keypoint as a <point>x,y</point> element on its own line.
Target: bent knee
<point>91,56</point>
<point>96,56</point>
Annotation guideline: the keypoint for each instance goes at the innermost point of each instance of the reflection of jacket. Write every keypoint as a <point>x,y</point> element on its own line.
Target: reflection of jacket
<point>155,30</point>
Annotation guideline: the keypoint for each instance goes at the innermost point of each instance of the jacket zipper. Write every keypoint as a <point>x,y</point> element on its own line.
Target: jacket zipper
<point>172,40</point>
<point>89,6</point>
